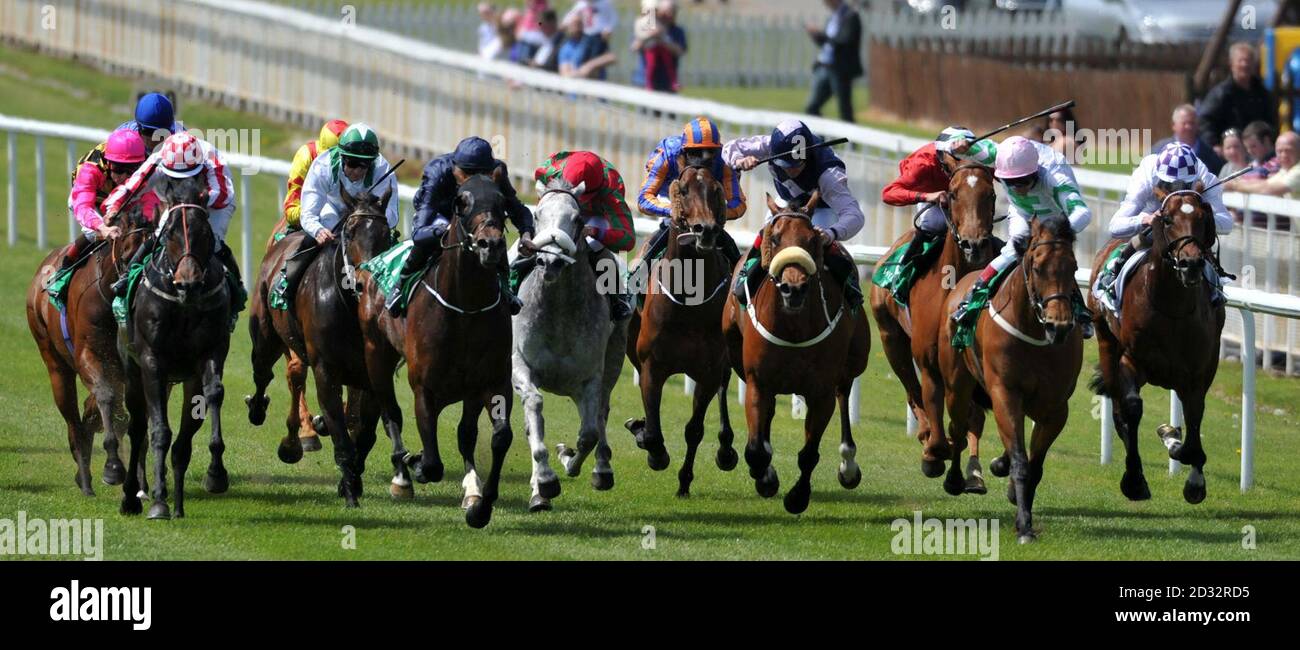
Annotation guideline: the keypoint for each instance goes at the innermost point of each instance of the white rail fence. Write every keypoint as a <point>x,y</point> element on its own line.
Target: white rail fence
<point>1245,301</point>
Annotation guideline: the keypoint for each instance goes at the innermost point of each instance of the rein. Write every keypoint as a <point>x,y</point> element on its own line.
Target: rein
<point>767,335</point>
<point>466,243</point>
<point>1039,305</point>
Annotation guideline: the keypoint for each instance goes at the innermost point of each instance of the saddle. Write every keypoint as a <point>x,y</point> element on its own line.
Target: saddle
<point>964,334</point>
<point>898,272</point>
<point>386,270</point>
<point>1111,295</point>
<point>122,303</point>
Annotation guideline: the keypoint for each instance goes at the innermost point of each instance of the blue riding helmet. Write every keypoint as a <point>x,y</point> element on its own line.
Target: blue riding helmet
<point>155,111</point>
<point>474,154</point>
<point>789,140</point>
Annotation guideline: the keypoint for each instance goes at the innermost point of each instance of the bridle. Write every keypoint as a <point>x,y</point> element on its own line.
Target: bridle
<point>186,252</point>
<point>1174,247</point>
<point>466,242</point>
<point>565,254</point>
<point>687,234</point>
<point>1040,304</point>
<point>964,244</point>
<point>340,253</point>
<point>831,321</point>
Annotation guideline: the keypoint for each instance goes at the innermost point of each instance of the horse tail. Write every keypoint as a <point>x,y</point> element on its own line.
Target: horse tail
<point>1098,382</point>
<point>982,399</point>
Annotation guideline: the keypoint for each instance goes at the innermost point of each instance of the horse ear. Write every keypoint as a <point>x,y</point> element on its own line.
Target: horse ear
<point>540,188</point>
<point>1199,187</point>
<point>466,200</point>
<point>771,204</point>
<point>812,202</point>
<point>498,175</point>
<point>675,197</point>
<point>383,200</point>
<point>1159,193</point>
<point>580,189</point>
<point>348,200</point>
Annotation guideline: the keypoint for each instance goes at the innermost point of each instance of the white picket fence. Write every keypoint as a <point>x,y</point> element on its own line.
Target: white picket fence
<point>1246,301</point>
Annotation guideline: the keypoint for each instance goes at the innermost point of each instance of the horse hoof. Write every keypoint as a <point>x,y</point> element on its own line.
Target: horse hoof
<point>159,511</point>
<point>727,458</point>
<point>84,486</point>
<point>1000,467</point>
<point>567,456</point>
<point>539,503</point>
<point>768,484</point>
<point>551,489</point>
<point>932,468</point>
<point>311,443</point>
<point>289,454</point>
<point>131,506</point>
<point>796,500</point>
<point>658,460</point>
<point>635,426</point>
<point>257,409</point>
<point>1027,538</point>
<point>1193,494</point>
<point>114,473</point>
<point>318,425</point>
<point>850,483</point>
<point>401,491</point>
<point>216,483</point>
<point>432,475</point>
<point>1134,487</point>
<point>478,514</point>
<point>975,485</point>
<point>954,484</point>
<point>602,480</point>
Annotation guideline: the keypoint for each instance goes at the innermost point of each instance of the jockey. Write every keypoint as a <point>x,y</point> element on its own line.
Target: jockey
<point>97,174</point>
<point>354,165</point>
<point>155,119</point>
<point>608,226</point>
<point>302,160</point>
<point>1175,168</point>
<point>699,145</point>
<point>435,208</point>
<point>1039,182</point>
<point>923,179</point>
<point>182,156</point>
<point>796,175</point>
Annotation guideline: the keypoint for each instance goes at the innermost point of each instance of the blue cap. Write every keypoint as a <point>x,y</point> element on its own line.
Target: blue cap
<point>155,112</point>
<point>789,139</point>
<point>474,154</point>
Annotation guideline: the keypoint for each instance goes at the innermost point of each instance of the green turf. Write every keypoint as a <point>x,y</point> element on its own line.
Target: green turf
<point>277,511</point>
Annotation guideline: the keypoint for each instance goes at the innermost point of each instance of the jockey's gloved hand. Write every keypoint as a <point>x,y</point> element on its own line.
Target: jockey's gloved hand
<point>827,236</point>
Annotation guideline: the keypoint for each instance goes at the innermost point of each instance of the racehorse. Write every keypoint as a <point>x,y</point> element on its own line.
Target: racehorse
<point>671,335</point>
<point>565,343</point>
<point>1167,335</point>
<point>797,335</point>
<point>911,334</point>
<point>85,344</point>
<point>455,338</point>
<point>321,327</point>
<point>177,331</point>
<point>1025,357</point>
<point>310,427</point>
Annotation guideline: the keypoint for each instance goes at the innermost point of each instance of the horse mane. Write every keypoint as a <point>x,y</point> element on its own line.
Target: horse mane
<point>1059,227</point>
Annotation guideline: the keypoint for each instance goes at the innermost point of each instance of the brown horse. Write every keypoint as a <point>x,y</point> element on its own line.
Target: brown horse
<point>1167,335</point>
<point>322,328</point>
<point>456,340</point>
<point>672,334</point>
<point>309,427</point>
<point>86,346</point>
<point>911,334</point>
<point>1025,357</point>
<point>797,336</point>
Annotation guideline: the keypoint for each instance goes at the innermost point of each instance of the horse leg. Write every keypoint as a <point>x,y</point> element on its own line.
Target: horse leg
<point>727,456</point>
<point>295,371</point>
<point>1009,413</point>
<point>381,382</point>
<point>974,472</point>
<point>426,466</point>
<point>1126,397</point>
<point>466,442</point>
<point>502,436</point>
<point>329,394</point>
<point>216,480</point>
<point>958,398</point>
<point>820,410</point>
<point>192,413</point>
<point>898,352</point>
<point>100,406</point>
<point>267,350</point>
<point>849,474</point>
<point>63,381</point>
<point>694,434</point>
<point>1191,452</point>
<point>368,421</point>
<point>545,484</point>
<point>1044,434</point>
<point>759,410</point>
<point>651,436</point>
<point>135,430</point>
<point>937,449</point>
<point>590,412</point>
<point>160,434</point>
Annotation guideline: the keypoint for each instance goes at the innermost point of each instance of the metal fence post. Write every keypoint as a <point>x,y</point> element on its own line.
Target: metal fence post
<point>1176,421</point>
<point>246,231</point>
<point>1247,399</point>
<point>1107,430</point>
<point>855,397</point>
<point>72,166</point>
<point>40,192</point>
<point>11,157</point>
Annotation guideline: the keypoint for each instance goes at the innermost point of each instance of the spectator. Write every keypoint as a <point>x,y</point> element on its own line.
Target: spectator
<point>1061,131</point>
<point>659,43</point>
<point>1286,182</point>
<point>1234,152</point>
<point>578,52</point>
<point>840,60</point>
<point>1237,100</point>
<point>530,25</point>
<point>1184,128</point>
<point>506,46</point>
<point>1257,137</point>
<point>599,18</point>
<point>487,29</point>
<point>545,46</point>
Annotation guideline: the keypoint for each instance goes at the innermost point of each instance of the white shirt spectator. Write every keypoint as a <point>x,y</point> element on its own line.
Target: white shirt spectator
<point>598,16</point>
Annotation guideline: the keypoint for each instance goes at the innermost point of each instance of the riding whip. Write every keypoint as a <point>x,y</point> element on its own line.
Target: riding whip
<point>819,145</point>
<point>1059,107</point>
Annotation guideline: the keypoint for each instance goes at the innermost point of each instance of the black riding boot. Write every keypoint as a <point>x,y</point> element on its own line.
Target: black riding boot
<point>75,252</point>
<point>415,263</point>
<point>915,247</point>
<point>1082,315</point>
<point>751,275</point>
<point>119,287</point>
<point>503,279</point>
<point>845,272</point>
<point>729,249</point>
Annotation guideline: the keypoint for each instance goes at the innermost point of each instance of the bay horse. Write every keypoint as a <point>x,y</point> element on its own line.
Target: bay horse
<point>1168,335</point>
<point>321,327</point>
<point>565,342</point>
<point>177,332</point>
<point>911,335</point>
<point>797,336</point>
<point>1025,360</point>
<point>456,339</point>
<point>85,345</point>
<point>670,335</point>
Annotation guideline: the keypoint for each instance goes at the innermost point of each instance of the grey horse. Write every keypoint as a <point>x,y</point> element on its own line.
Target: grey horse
<point>565,343</point>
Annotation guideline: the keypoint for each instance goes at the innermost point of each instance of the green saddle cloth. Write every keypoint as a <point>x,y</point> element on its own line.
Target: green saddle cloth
<point>386,270</point>
<point>122,304</point>
<point>897,277</point>
<point>1106,279</point>
<point>964,334</point>
<point>57,287</point>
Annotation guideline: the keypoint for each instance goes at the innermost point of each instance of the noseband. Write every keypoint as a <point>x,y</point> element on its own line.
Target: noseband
<point>1176,246</point>
<point>1040,304</point>
<point>963,244</point>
